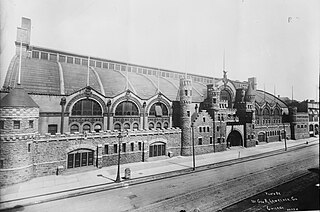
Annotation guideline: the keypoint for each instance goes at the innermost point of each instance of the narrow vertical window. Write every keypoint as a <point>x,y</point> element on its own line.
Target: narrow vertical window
<point>106,149</point>
<point>29,147</point>
<point>124,149</point>
<point>16,124</point>
<point>115,148</point>
<point>30,123</point>
<point>132,147</point>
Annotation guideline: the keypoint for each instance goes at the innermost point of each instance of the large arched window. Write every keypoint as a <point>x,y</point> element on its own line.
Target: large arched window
<point>158,109</point>
<point>117,126</point>
<point>127,109</point>
<point>225,95</point>
<point>86,107</point>
<point>126,126</point>
<point>86,128</point>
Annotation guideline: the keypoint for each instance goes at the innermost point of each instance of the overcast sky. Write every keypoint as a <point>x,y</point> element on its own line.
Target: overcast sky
<point>276,41</point>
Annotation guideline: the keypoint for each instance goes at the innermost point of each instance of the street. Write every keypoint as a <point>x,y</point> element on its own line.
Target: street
<point>209,190</point>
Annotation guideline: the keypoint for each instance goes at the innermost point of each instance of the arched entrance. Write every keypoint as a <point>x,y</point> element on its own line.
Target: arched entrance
<point>234,138</point>
<point>80,157</point>
<point>262,137</point>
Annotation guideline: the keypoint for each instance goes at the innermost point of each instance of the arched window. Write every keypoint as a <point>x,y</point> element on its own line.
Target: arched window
<point>74,128</point>
<point>151,125</point>
<point>158,125</point>
<point>127,109</point>
<point>165,125</point>
<point>225,95</point>
<point>117,126</point>
<point>266,112</point>
<point>86,128</point>
<point>135,126</point>
<point>276,112</point>
<point>86,107</point>
<point>158,109</point>
<point>97,127</point>
<point>126,126</point>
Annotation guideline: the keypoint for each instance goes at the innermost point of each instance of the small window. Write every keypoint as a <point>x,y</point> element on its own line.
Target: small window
<point>199,141</point>
<point>204,129</point>
<point>106,149</point>
<point>111,66</point>
<point>204,119</point>
<point>98,64</point>
<point>92,63</point>
<point>16,124</point>
<point>29,147</point>
<point>188,113</point>
<point>62,58</point>
<point>52,129</point>
<point>139,146</point>
<point>211,140</point>
<point>219,140</point>
<point>105,65</point>
<point>44,55</point>
<point>132,147</point>
<point>186,92</point>
<point>200,129</point>
<point>115,148</point>
<point>35,54</point>
<point>84,62</point>
<point>30,123</point>
<point>124,147</point>
<point>1,163</point>
<point>97,127</point>
<point>123,68</point>
<point>69,59</point>
<point>2,124</point>
<point>74,128</point>
<point>208,129</point>
<point>53,57</point>
<point>77,61</point>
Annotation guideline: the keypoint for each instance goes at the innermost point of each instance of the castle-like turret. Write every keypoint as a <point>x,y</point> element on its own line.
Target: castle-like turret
<point>185,115</point>
<point>19,116</point>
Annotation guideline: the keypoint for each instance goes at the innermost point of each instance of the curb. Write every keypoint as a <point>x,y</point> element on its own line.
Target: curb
<point>42,198</point>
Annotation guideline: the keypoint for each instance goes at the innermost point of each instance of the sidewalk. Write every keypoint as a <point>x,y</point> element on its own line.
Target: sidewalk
<point>56,185</point>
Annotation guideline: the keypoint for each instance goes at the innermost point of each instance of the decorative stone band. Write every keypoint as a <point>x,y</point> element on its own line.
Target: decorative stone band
<point>76,136</point>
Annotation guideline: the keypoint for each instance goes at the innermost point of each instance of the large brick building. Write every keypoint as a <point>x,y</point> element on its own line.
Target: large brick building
<point>61,111</point>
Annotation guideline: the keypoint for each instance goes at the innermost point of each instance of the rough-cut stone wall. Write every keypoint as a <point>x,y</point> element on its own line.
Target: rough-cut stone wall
<point>42,155</point>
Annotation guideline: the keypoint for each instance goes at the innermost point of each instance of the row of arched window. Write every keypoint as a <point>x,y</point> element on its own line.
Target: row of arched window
<point>89,107</point>
<point>85,128</point>
<point>266,112</point>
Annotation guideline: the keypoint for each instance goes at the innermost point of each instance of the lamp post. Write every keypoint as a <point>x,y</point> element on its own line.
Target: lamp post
<point>120,136</point>
<point>193,155</point>
<point>285,139</point>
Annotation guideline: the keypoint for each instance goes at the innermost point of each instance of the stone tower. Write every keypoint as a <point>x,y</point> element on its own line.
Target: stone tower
<point>19,116</point>
<point>185,115</point>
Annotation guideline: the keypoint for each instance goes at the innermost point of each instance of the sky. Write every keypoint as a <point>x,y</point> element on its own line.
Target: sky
<point>276,41</point>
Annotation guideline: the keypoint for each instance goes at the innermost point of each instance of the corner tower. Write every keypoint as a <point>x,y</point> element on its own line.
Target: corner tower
<point>185,115</point>
<point>19,116</point>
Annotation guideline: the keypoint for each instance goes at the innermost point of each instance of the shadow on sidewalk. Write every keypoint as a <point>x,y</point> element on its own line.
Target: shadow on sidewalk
<point>180,164</point>
<point>100,175</point>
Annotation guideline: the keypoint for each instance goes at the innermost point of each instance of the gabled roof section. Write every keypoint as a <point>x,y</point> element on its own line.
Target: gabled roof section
<point>17,97</point>
<point>262,97</point>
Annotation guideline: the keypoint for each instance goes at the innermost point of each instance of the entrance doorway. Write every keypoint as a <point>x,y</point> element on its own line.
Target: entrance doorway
<point>262,137</point>
<point>79,158</point>
<point>234,139</point>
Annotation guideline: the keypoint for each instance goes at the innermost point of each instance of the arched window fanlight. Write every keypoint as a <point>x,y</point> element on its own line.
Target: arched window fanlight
<point>158,125</point>
<point>126,126</point>
<point>86,107</point>
<point>135,126</point>
<point>86,128</point>
<point>117,126</point>
<point>151,125</point>
<point>165,125</point>
<point>74,128</point>
<point>158,109</point>
<point>127,109</point>
<point>97,127</point>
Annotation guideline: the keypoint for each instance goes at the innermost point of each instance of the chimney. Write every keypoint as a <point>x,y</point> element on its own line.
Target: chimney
<point>23,35</point>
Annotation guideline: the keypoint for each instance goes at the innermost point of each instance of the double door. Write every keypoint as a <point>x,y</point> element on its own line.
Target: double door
<point>80,158</point>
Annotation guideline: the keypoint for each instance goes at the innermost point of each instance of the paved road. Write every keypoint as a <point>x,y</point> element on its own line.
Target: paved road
<point>208,190</point>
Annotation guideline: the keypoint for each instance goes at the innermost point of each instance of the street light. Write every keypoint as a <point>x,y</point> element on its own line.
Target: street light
<point>120,136</point>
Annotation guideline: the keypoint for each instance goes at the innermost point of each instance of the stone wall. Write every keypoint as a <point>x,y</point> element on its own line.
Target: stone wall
<point>27,157</point>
